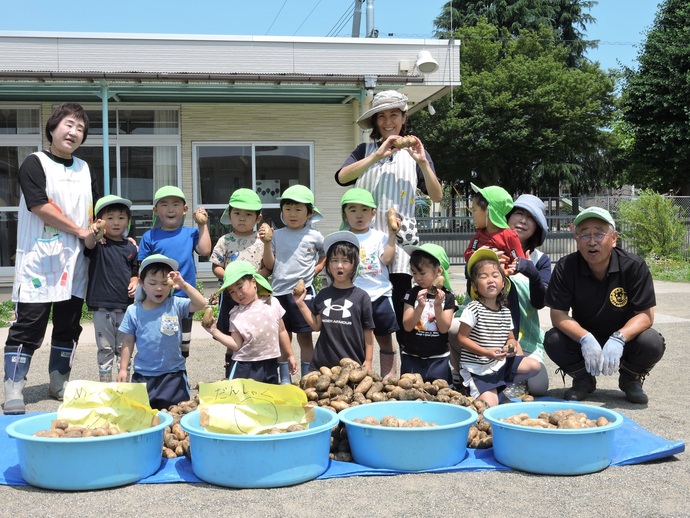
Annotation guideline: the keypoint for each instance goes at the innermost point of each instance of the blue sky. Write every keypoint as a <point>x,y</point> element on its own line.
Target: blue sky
<point>620,23</point>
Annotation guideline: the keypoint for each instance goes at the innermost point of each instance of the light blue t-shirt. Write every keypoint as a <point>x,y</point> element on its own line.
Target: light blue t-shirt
<point>158,335</point>
<point>296,254</point>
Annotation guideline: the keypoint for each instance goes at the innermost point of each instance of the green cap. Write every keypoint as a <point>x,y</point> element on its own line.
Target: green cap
<point>158,258</point>
<point>168,190</point>
<point>358,195</point>
<point>595,212</point>
<point>500,203</point>
<point>301,194</point>
<point>438,253</point>
<point>111,199</point>
<point>243,199</point>
<point>483,253</point>
<point>238,269</point>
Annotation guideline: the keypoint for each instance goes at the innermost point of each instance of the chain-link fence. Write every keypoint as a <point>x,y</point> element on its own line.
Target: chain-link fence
<point>454,232</point>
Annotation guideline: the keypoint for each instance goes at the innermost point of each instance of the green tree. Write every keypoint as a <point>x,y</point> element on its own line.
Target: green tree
<point>567,19</point>
<point>656,104</point>
<point>653,224</point>
<point>522,118</point>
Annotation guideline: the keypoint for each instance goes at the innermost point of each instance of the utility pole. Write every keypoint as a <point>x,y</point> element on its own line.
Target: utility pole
<point>357,18</point>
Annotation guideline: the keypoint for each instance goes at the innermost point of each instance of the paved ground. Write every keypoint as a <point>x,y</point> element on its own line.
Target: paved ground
<point>660,488</point>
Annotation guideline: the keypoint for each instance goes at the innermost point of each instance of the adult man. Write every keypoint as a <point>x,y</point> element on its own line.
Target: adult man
<point>50,268</point>
<point>611,295</point>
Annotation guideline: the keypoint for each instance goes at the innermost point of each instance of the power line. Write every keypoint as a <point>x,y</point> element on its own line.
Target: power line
<point>344,18</point>
<point>277,15</point>
<point>303,22</point>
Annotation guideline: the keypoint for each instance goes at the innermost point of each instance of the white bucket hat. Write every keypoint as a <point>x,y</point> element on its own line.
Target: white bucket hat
<point>386,100</point>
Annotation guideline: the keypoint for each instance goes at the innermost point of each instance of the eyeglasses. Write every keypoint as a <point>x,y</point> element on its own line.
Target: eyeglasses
<point>586,238</point>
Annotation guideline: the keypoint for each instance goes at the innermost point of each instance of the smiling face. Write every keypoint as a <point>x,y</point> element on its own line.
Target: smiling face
<point>243,292</point>
<point>244,221</point>
<point>67,137</point>
<point>170,211</point>
<point>390,122</point>
<point>595,241</point>
<point>116,223</point>
<point>295,216</point>
<point>358,216</point>
<point>522,222</point>
<point>487,279</point>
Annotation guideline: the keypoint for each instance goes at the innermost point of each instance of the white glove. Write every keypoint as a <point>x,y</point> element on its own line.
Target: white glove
<point>610,360</point>
<point>591,352</point>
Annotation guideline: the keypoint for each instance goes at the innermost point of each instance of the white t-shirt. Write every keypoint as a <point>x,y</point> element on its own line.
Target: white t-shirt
<point>372,275</point>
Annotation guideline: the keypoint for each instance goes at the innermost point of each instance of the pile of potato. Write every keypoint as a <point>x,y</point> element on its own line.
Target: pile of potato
<point>59,428</point>
<point>175,439</point>
<point>563,419</point>
<point>395,422</point>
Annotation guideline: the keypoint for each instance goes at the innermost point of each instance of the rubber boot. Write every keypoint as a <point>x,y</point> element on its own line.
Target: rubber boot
<point>583,383</point>
<point>105,376</point>
<point>284,373</point>
<point>630,381</point>
<point>304,366</point>
<point>16,369</point>
<point>59,368</point>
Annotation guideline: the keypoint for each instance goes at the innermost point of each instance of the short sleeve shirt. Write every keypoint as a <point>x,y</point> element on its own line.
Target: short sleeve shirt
<point>490,329</point>
<point>601,307</point>
<point>425,340</point>
<point>232,247</point>
<point>259,325</point>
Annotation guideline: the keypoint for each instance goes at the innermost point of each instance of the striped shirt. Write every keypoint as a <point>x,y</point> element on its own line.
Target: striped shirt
<point>490,329</point>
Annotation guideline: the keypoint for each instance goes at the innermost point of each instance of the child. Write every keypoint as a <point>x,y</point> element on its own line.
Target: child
<point>242,243</point>
<point>485,327</point>
<point>297,253</point>
<point>112,278</point>
<point>153,321</point>
<point>490,206</point>
<point>342,312</point>
<point>177,242</point>
<point>376,252</point>
<point>427,315</point>
<point>257,333</point>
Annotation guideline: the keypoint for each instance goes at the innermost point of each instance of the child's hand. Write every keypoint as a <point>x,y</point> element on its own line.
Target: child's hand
<point>98,229</point>
<point>292,362</point>
<point>299,292</point>
<point>440,298</point>
<point>122,376</point>
<point>175,280</point>
<point>200,216</point>
<point>421,297</point>
<point>132,288</point>
<point>265,233</point>
<point>495,354</point>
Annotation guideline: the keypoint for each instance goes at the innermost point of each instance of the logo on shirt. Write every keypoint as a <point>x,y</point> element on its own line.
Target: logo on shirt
<point>618,297</point>
<point>344,308</point>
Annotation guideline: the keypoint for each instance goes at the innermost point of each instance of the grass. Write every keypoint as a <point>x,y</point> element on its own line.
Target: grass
<point>674,270</point>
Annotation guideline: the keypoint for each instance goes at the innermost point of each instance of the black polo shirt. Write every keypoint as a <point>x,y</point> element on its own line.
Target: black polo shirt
<point>601,307</point>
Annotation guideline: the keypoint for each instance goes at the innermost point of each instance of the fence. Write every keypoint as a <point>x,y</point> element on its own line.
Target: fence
<point>454,233</point>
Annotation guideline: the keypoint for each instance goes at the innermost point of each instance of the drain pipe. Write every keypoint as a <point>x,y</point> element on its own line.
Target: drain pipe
<point>371,31</point>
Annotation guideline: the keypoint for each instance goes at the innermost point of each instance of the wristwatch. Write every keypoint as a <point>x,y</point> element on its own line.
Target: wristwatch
<point>618,336</point>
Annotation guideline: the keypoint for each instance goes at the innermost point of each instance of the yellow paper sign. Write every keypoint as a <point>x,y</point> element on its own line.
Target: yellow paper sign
<point>91,404</point>
<point>245,406</point>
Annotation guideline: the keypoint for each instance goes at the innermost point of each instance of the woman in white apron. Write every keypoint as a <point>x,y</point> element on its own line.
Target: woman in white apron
<point>50,269</point>
<point>393,176</point>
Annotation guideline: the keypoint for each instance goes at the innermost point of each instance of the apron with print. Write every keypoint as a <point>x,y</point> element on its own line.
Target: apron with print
<point>393,183</point>
<point>50,264</point>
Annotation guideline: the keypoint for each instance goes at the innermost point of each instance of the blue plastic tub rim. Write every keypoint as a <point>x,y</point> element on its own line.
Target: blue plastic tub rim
<point>165,420</point>
<point>198,430</point>
<point>615,418</point>
<point>471,418</point>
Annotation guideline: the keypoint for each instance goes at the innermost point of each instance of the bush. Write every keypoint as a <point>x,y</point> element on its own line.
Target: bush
<point>653,225</point>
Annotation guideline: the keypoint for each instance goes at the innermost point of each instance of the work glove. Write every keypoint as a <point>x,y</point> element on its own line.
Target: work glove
<point>610,360</point>
<point>591,352</point>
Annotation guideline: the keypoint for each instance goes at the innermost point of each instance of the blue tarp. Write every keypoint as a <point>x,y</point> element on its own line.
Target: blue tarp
<point>633,444</point>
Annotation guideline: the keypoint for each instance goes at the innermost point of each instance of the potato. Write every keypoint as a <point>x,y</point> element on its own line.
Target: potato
<point>208,319</point>
<point>349,362</point>
<point>267,234</point>
<point>168,453</point>
<point>178,432</point>
<point>325,371</point>
<point>402,142</point>
<point>357,375</point>
<point>405,383</point>
<point>343,377</point>
<point>509,348</point>
<point>323,383</point>
<point>101,229</point>
<point>299,288</point>
<point>436,285</point>
<point>200,217</point>
<point>392,216</point>
<point>339,405</point>
<point>296,428</point>
<point>364,385</point>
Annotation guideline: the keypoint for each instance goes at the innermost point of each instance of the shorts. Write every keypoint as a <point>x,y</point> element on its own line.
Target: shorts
<point>385,321</point>
<point>265,371</point>
<point>430,368</point>
<point>166,389</point>
<point>293,319</point>
<point>480,383</point>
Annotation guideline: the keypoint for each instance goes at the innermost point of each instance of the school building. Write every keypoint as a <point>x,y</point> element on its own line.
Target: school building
<point>207,113</point>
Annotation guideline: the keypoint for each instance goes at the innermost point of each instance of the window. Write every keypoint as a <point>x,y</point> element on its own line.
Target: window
<point>267,167</point>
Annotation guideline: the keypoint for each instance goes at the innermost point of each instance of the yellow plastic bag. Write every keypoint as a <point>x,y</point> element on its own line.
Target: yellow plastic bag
<point>245,406</point>
<point>91,404</point>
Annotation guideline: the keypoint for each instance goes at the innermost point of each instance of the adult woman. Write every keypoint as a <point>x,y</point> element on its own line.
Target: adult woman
<point>531,280</point>
<point>51,271</point>
<point>393,177</point>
